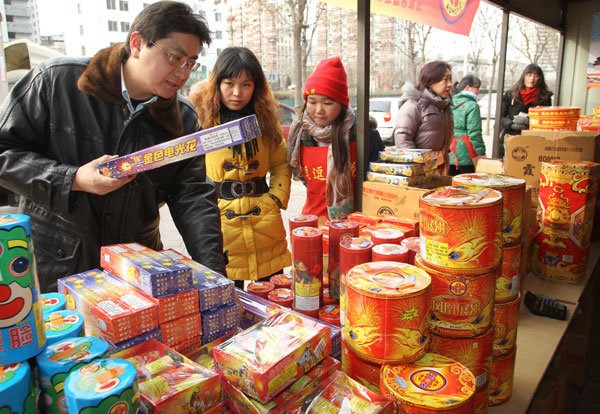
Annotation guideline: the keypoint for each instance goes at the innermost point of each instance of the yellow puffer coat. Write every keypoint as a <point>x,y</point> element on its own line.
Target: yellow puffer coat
<point>257,244</point>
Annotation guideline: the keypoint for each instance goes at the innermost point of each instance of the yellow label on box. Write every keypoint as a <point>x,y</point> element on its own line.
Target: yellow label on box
<point>285,376</point>
<point>307,289</point>
<point>437,252</point>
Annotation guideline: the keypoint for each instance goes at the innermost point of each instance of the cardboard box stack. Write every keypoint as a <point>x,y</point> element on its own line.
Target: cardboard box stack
<point>403,167</point>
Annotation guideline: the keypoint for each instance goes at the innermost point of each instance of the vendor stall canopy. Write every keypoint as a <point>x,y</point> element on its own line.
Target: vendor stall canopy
<point>551,13</point>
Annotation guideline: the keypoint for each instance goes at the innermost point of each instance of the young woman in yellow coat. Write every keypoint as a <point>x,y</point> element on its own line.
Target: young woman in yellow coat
<point>253,231</point>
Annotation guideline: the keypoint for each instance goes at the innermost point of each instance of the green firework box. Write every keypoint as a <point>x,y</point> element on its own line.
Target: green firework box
<point>22,334</point>
<point>58,360</point>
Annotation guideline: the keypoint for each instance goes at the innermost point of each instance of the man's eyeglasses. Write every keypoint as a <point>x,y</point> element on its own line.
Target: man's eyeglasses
<point>178,61</point>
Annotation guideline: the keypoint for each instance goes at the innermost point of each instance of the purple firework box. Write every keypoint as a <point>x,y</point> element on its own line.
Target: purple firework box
<point>257,309</point>
<point>221,319</point>
<point>201,142</point>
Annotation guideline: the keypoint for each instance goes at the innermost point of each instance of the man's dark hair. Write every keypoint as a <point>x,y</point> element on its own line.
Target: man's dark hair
<point>159,20</point>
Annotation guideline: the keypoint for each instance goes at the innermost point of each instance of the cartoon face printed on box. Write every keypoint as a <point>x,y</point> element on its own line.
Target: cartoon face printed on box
<point>21,329</point>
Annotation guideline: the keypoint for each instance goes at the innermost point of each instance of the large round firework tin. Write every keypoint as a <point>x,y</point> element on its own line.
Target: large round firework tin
<point>388,252</point>
<point>58,360</point>
<point>17,392</point>
<point>461,228</point>
<point>385,235</point>
<point>501,380</point>
<point>508,281</point>
<point>307,251</point>
<point>304,220</point>
<point>22,332</point>
<point>387,312</point>
<point>339,230</point>
<point>430,385</point>
<point>364,372</point>
<point>353,251</point>
<point>475,353</point>
<point>567,200</point>
<point>63,324</point>
<point>283,280</point>
<point>103,386</point>
<point>506,321</point>
<point>330,314</point>
<point>282,296</point>
<point>513,199</point>
<point>462,302</point>
<point>481,400</point>
<point>261,289</point>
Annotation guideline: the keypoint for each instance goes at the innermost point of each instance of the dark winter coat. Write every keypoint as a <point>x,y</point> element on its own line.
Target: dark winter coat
<point>467,121</point>
<point>69,111</point>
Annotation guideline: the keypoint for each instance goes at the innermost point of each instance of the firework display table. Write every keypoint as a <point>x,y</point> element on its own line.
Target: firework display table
<point>539,337</point>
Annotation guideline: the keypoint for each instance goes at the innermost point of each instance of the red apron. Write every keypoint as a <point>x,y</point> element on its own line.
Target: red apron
<point>314,170</point>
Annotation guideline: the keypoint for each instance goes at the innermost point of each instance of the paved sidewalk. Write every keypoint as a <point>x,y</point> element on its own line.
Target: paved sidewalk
<point>172,239</point>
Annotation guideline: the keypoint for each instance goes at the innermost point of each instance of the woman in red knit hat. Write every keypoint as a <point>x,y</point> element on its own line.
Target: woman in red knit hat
<point>322,143</point>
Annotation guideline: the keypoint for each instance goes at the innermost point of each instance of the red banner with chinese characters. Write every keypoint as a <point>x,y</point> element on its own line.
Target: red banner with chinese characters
<point>454,16</point>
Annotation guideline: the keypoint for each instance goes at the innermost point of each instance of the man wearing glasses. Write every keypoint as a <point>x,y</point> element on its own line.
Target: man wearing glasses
<point>67,115</point>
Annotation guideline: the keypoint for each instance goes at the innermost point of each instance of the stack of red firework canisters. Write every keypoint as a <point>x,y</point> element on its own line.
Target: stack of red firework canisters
<point>307,258</point>
<point>461,249</point>
<point>219,312</point>
<point>507,293</point>
<point>567,203</point>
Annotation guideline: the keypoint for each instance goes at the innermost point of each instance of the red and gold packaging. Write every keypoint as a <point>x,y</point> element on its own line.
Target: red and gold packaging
<point>313,314</point>
<point>387,312</point>
<point>282,296</point>
<point>506,321</point>
<point>386,235</point>
<point>513,199</point>
<point>261,289</point>
<point>508,282</point>
<point>388,252</point>
<point>481,400</point>
<point>327,299</point>
<point>501,381</point>
<point>588,123</point>
<point>557,112</point>
<point>353,251</point>
<point>365,219</point>
<point>330,314</point>
<point>567,200</point>
<point>304,220</point>
<point>430,385</point>
<point>364,372</point>
<point>282,281</point>
<point>461,228</point>
<point>475,353</point>
<point>404,222</point>
<point>339,230</point>
<point>307,248</point>
<point>553,118</point>
<point>462,302</point>
<point>413,244</point>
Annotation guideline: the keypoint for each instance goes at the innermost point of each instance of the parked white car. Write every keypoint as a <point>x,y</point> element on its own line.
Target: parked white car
<point>385,111</point>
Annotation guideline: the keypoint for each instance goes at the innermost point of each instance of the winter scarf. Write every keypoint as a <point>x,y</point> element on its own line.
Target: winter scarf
<point>530,95</point>
<point>339,192</point>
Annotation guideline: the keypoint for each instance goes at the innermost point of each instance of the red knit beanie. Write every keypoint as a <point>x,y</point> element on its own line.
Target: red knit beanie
<point>328,79</point>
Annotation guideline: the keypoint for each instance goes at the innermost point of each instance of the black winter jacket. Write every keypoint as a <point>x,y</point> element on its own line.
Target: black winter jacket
<point>69,111</point>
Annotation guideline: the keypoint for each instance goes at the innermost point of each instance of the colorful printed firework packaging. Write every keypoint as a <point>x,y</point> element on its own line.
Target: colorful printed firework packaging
<point>461,228</point>
<point>387,312</point>
<point>434,383</point>
<point>353,251</point>
<point>506,321</point>
<point>103,386</point>
<point>53,302</point>
<point>406,169</point>
<point>508,281</point>
<point>17,392</point>
<point>567,199</point>
<point>58,360</point>
<point>389,252</point>
<point>409,155</point>
<point>553,118</point>
<point>22,333</point>
<point>462,302</point>
<point>501,381</point>
<point>513,198</point>
<point>339,230</point>
<point>361,371</point>
<point>304,220</point>
<point>401,180</point>
<point>63,324</point>
<point>307,248</point>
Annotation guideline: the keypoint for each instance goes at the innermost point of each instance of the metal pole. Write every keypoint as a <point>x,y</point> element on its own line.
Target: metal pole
<point>3,74</point>
<point>362,116</point>
<point>500,84</point>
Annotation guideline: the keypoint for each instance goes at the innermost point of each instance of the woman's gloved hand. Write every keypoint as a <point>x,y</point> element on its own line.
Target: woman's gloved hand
<point>520,123</point>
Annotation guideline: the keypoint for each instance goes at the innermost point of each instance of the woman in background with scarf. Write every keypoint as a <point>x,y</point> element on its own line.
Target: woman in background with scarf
<point>529,91</point>
<point>322,143</point>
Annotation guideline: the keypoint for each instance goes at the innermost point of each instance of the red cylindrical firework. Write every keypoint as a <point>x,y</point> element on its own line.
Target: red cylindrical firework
<point>481,400</point>
<point>462,302</point>
<point>307,247</point>
<point>282,296</point>
<point>327,299</point>
<point>384,235</point>
<point>330,314</point>
<point>507,283</point>
<point>353,251</point>
<point>413,245</point>
<point>313,314</point>
<point>261,289</point>
<point>364,372</point>
<point>389,252</point>
<point>303,220</point>
<point>282,281</point>
<point>339,230</point>
<point>506,321</point>
<point>501,381</point>
<point>475,353</point>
